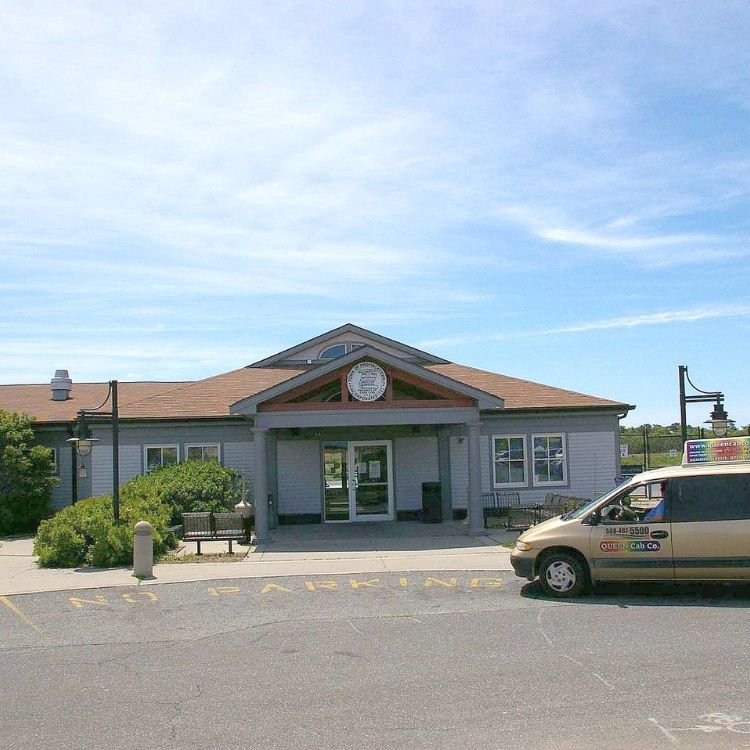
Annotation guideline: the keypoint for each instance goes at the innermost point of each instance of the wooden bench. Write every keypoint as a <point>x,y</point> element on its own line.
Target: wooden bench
<point>499,504</point>
<point>210,527</point>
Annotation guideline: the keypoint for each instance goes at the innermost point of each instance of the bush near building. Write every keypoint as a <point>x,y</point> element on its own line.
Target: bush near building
<point>188,487</point>
<point>86,533</point>
<point>26,475</point>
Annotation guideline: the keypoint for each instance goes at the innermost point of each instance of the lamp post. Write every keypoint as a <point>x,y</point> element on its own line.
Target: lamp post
<point>83,442</point>
<point>719,419</point>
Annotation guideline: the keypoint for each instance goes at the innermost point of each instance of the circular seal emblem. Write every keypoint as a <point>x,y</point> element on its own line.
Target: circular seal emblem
<point>367,381</point>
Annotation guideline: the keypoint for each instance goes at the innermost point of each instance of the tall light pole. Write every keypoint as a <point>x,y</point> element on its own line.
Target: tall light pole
<point>83,442</point>
<point>719,420</point>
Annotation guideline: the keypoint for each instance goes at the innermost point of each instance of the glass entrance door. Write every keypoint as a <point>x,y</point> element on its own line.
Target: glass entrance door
<point>371,491</point>
<point>336,482</point>
<point>358,481</point>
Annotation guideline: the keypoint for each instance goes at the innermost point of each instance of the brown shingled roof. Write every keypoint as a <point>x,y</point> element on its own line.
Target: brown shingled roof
<point>212,397</point>
<point>523,394</point>
<point>36,400</point>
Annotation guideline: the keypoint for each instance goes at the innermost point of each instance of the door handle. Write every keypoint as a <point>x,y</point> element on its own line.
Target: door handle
<point>659,534</point>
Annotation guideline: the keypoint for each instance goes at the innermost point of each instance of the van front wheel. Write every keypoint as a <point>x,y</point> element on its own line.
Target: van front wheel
<point>562,575</point>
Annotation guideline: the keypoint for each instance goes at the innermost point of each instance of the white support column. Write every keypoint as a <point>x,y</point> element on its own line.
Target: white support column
<point>273,479</point>
<point>260,485</point>
<point>444,464</point>
<point>475,508</point>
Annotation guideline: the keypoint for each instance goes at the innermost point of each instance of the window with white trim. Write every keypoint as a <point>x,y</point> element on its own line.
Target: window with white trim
<point>549,459</point>
<point>156,456</point>
<point>338,350</point>
<point>509,460</point>
<point>202,452</point>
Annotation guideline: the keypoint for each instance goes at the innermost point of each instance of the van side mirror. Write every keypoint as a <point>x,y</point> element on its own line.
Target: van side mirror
<point>594,518</point>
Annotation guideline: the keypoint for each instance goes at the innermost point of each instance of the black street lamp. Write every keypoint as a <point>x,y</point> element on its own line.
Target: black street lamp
<point>719,420</point>
<point>83,442</point>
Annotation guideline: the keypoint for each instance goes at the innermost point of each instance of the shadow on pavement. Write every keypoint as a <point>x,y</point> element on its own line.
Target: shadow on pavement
<point>654,594</point>
<point>411,536</point>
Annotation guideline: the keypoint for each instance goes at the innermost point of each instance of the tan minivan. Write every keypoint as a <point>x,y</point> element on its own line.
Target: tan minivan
<point>679,523</point>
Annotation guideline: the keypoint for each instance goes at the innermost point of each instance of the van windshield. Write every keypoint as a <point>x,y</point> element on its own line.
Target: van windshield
<point>630,501</point>
<point>584,509</point>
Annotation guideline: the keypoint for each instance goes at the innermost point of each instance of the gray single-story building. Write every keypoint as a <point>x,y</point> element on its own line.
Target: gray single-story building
<point>341,428</point>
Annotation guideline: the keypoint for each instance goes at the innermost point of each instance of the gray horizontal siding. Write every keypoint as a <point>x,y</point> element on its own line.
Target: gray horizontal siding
<point>240,455</point>
<point>592,451</point>
<point>235,443</point>
<point>62,494</point>
<point>101,469</point>
<point>299,477</point>
<point>131,461</point>
<point>592,462</point>
<point>416,461</point>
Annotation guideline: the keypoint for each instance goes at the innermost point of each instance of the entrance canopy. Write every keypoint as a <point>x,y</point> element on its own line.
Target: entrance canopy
<point>366,386</point>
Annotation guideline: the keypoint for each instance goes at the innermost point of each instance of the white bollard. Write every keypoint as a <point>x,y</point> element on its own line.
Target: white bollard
<point>143,550</point>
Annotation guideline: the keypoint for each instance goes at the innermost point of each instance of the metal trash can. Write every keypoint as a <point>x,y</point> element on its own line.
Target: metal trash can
<point>432,509</point>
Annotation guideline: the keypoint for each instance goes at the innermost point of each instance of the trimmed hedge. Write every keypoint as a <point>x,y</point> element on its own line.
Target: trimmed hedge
<point>86,533</point>
<point>188,487</point>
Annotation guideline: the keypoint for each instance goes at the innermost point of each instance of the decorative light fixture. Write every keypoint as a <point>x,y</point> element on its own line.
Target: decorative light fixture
<point>719,420</point>
<point>83,442</point>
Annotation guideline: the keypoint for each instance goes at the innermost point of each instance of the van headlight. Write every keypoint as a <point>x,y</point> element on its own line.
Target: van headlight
<point>523,546</point>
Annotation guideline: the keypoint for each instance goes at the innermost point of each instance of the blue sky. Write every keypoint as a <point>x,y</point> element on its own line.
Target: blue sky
<point>552,190</point>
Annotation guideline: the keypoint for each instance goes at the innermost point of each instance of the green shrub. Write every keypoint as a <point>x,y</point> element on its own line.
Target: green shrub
<point>59,545</point>
<point>26,478</point>
<point>86,533</point>
<point>188,486</point>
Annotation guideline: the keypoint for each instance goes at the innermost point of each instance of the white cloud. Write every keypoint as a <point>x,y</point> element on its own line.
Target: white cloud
<point>665,317</point>
<point>591,239</point>
<point>274,169</point>
<point>657,318</point>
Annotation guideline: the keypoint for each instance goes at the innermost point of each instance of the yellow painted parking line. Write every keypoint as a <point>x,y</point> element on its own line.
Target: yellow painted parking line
<point>78,602</point>
<point>17,612</point>
<point>137,597</point>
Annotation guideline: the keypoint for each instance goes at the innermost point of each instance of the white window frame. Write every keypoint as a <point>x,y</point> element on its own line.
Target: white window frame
<point>349,346</point>
<point>564,438</point>
<point>525,482</point>
<point>150,446</point>
<point>188,446</point>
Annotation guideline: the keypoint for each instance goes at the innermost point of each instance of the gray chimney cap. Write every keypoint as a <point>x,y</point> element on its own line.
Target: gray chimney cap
<point>61,385</point>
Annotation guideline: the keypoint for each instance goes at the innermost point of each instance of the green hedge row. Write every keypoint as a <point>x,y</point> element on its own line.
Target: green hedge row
<point>86,533</point>
<point>188,487</point>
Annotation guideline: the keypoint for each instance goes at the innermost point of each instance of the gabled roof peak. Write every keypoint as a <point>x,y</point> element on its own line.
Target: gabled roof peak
<point>349,336</point>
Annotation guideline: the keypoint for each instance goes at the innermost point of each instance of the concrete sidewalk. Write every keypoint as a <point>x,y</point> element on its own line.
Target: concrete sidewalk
<point>312,550</point>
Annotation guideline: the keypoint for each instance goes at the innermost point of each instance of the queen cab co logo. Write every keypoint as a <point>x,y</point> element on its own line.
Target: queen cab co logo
<point>634,546</point>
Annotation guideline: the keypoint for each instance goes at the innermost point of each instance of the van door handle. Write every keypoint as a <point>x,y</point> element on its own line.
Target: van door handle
<point>659,534</point>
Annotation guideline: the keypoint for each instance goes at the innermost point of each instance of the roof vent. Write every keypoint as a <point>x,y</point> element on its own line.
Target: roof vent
<point>61,386</point>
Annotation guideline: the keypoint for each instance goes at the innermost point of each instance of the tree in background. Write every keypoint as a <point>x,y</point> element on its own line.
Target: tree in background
<point>26,475</point>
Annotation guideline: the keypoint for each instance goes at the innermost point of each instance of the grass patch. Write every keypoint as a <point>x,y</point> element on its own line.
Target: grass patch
<point>206,557</point>
<point>496,522</point>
